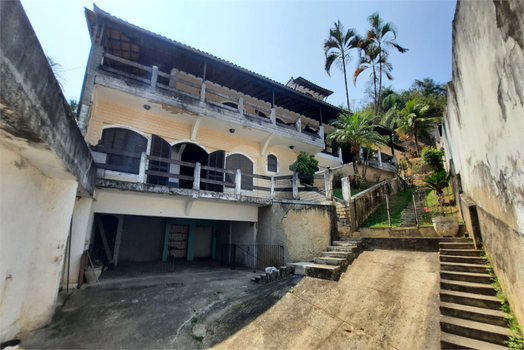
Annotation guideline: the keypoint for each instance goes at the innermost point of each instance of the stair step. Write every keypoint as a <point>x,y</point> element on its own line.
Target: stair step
<point>460,267</point>
<point>462,259</point>
<point>344,243</point>
<point>341,255</point>
<point>327,272</point>
<point>475,330</point>
<point>460,252</point>
<point>468,287</point>
<point>452,341</point>
<point>470,299</point>
<point>340,248</point>
<point>466,276</point>
<point>331,261</point>
<point>453,245</point>
<point>477,314</point>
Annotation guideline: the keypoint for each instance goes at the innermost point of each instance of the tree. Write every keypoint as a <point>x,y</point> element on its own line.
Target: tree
<point>428,87</point>
<point>73,104</point>
<point>413,121</point>
<point>382,36</point>
<point>432,157</point>
<point>305,164</point>
<point>337,50</point>
<point>58,71</point>
<point>369,60</point>
<point>351,131</point>
<point>438,181</point>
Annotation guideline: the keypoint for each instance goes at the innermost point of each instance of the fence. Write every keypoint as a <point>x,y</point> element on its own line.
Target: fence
<point>368,201</point>
<point>256,257</point>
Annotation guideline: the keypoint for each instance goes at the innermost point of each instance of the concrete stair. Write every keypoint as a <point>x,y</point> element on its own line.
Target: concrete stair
<point>335,260</point>
<point>470,315</point>
<point>409,218</point>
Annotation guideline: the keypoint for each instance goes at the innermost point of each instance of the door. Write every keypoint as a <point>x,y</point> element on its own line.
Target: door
<point>178,237</point>
<point>159,148</point>
<point>216,160</point>
<point>203,242</point>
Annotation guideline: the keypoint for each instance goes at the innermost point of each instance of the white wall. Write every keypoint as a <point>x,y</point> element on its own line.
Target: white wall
<point>35,215</point>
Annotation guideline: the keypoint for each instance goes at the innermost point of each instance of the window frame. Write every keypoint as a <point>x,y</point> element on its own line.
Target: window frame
<point>267,164</point>
<point>227,188</point>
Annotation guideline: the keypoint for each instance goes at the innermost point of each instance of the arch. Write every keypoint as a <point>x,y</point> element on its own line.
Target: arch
<point>175,143</point>
<point>125,140</point>
<point>159,148</point>
<point>246,165</point>
<point>271,163</point>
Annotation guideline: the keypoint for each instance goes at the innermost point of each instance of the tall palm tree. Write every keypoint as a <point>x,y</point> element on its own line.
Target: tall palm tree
<point>337,50</point>
<point>58,71</point>
<point>351,131</point>
<point>413,121</point>
<point>383,36</point>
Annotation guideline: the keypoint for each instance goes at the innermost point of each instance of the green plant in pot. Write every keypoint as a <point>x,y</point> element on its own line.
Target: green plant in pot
<point>445,226</point>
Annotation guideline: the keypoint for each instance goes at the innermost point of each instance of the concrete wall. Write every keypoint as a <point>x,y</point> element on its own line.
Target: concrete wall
<point>422,231</point>
<point>35,216</point>
<point>305,230</point>
<point>484,128</point>
<point>347,171</point>
<point>142,238</point>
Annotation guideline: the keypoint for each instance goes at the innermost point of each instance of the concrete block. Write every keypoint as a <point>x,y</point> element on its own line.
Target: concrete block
<point>299,268</point>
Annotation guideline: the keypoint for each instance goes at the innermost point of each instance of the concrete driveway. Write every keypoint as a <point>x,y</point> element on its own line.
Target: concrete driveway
<point>385,300</point>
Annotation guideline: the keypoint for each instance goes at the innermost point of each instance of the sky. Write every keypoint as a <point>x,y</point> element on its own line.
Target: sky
<point>277,39</point>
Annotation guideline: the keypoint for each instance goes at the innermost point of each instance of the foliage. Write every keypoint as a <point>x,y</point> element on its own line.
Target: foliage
<point>58,71</point>
<point>414,121</point>
<point>437,181</point>
<point>305,164</point>
<point>397,204</point>
<point>432,157</point>
<point>73,104</point>
<point>428,87</point>
<point>337,50</point>
<point>351,131</point>
<point>403,165</point>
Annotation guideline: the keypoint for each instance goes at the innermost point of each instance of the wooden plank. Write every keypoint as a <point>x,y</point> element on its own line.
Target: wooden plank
<point>215,182</point>
<point>310,189</point>
<point>127,62</point>
<point>307,176</point>
<point>104,239</point>
<point>261,188</point>
<point>284,189</point>
<point>218,170</point>
<point>120,168</point>
<point>263,177</point>
<point>233,99</point>
<point>284,177</point>
<point>130,76</point>
<point>175,176</point>
<point>261,108</point>
<point>171,161</point>
<point>158,85</point>
<point>119,152</point>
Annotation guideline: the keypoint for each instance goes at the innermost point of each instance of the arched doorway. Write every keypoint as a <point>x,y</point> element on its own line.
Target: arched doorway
<point>191,153</point>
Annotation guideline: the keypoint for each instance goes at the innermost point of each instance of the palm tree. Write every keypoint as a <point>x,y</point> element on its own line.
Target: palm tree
<point>383,36</point>
<point>351,131</point>
<point>58,71</point>
<point>413,121</point>
<point>337,50</point>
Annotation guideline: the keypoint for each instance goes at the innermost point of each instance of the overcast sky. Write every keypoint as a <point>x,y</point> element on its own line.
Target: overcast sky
<point>277,39</point>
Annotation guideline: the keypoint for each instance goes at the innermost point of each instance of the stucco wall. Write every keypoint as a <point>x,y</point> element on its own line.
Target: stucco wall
<point>305,230</point>
<point>31,245</point>
<point>484,128</point>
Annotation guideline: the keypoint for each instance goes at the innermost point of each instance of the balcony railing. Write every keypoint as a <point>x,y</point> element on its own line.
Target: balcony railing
<point>273,187</point>
<point>263,114</point>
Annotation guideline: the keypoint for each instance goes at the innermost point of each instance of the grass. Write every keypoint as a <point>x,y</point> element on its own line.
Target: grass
<point>397,204</point>
<point>515,340</point>
<point>337,192</point>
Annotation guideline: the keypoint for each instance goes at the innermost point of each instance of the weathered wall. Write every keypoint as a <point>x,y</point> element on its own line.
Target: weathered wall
<point>35,214</point>
<point>484,128</point>
<point>421,231</point>
<point>305,230</point>
<point>142,238</point>
<point>347,171</point>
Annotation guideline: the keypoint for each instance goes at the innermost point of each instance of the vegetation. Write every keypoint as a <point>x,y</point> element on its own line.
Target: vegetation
<point>515,341</point>
<point>305,164</point>
<point>58,71</point>
<point>337,50</point>
<point>413,121</point>
<point>351,131</point>
<point>397,204</point>
<point>432,157</point>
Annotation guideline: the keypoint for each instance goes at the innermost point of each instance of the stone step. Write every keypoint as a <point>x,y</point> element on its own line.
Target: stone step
<point>452,341</point>
<point>460,252</point>
<point>458,246</point>
<point>474,268</point>
<point>462,259</point>
<point>468,287</point>
<point>344,243</point>
<point>341,255</point>
<point>476,330</point>
<point>466,276</point>
<point>331,261</point>
<point>351,239</point>
<point>477,314</point>
<point>470,299</point>
<point>327,272</point>
<point>341,248</point>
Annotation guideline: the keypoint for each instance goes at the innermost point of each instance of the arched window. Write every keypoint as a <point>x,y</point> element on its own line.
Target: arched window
<point>239,161</point>
<point>128,145</point>
<point>272,163</point>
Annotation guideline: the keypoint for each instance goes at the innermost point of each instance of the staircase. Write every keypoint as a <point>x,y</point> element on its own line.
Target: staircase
<point>409,217</point>
<point>334,261</point>
<point>470,316</point>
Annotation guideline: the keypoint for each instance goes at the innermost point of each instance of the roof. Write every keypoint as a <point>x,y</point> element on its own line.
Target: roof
<point>314,87</point>
<point>222,72</point>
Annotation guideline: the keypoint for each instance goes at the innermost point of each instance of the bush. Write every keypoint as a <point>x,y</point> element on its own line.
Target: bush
<point>432,157</point>
<point>305,164</point>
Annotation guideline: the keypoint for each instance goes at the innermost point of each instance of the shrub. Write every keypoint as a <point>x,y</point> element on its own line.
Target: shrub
<point>432,157</point>
<point>305,164</point>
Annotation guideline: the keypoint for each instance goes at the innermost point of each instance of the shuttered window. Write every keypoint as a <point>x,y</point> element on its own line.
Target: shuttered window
<point>272,163</point>
<point>239,161</point>
<point>127,141</point>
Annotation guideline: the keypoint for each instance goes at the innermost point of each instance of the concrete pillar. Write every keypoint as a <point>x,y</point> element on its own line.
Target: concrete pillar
<point>379,155</point>
<point>196,176</point>
<point>203,92</point>
<point>272,187</point>
<point>295,185</point>
<point>241,105</point>
<point>346,189</point>
<point>299,125</point>
<point>321,132</point>
<point>172,82</point>
<point>238,181</point>
<point>328,184</point>
<point>273,116</point>
<point>142,169</point>
<point>154,76</point>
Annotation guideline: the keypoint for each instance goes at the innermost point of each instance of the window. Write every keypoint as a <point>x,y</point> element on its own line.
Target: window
<point>239,161</point>
<point>125,142</point>
<point>272,163</point>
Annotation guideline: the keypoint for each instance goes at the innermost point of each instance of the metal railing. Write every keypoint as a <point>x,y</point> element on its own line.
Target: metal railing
<point>256,257</point>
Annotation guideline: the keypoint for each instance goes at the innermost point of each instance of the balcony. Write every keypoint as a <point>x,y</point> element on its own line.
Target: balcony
<point>205,181</point>
<point>199,97</point>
